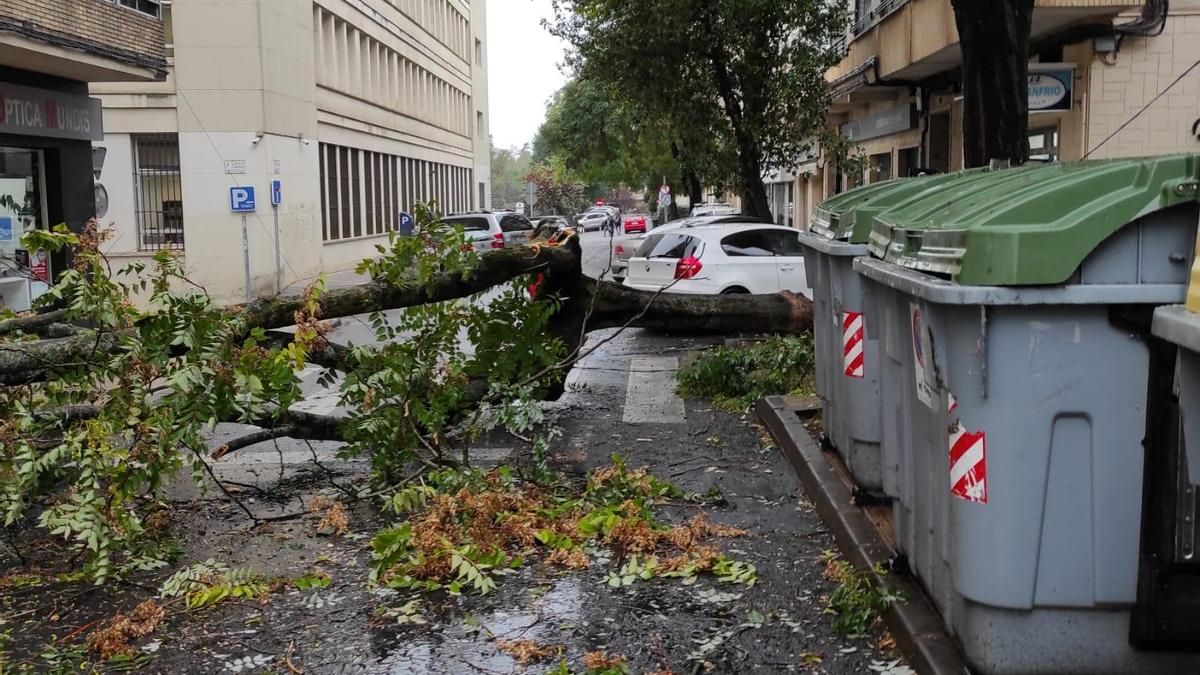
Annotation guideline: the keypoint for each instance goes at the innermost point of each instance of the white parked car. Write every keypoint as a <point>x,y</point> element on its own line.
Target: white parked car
<point>721,259</point>
<point>623,248</point>
<point>714,209</point>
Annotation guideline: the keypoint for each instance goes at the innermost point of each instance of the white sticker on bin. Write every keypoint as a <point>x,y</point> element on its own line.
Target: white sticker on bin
<point>921,352</point>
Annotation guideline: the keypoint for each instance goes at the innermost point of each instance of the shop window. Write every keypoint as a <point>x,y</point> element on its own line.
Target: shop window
<point>881,167</point>
<point>159,191</point>
<point>907,161</point>
<point>151,7</point>
<point>1043,144</point>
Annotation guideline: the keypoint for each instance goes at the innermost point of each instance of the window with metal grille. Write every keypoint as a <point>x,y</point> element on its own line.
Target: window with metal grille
<point>151,7</point>
<point>158,191</point>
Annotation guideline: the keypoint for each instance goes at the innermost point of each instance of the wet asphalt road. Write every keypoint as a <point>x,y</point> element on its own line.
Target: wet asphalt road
<point>619,400</point>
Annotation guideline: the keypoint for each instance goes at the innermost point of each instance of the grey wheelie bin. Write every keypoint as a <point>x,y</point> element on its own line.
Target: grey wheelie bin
<point>1167,614</point>
<point>1014,364</point>
<point>845,341</point>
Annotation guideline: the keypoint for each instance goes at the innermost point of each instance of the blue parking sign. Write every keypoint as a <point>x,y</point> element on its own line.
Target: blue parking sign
<point>241,199</point>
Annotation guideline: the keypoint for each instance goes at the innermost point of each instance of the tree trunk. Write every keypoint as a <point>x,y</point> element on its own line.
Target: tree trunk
<point>691,182</point>
<point>994,36</point>
<point>754,192</point>
<point>754,197</point>
<point>694,188</point>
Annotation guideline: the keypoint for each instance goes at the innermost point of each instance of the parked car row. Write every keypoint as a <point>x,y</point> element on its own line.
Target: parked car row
<point>703,255</point>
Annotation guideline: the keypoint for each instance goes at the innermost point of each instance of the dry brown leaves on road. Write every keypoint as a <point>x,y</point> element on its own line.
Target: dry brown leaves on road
<point>527,651</point>
<point>602,661</point>
<point>112,639</point>
<point>334,519</point>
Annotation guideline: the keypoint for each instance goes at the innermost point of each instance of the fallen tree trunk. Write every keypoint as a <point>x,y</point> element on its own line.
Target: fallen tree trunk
<point>586,305</point>
<point>785,313</point>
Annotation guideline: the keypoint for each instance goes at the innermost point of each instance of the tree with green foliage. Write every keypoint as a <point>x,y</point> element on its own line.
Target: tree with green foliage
<point>747,75</point>
<point>509,168</point>
<point>558,190</point>
<point>102,402</point>
<point>609,140</point>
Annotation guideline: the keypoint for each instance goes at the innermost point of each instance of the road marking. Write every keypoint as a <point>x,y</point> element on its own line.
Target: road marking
<point>650,397</point>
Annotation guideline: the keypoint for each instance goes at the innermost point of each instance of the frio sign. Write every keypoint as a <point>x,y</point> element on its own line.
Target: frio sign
<point>52,114</point>
<point>1051,89</point>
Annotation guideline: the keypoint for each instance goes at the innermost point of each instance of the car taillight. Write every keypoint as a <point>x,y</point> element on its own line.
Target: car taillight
<point>619,250</point>
<point>498,240</point>
<point>688,267</point>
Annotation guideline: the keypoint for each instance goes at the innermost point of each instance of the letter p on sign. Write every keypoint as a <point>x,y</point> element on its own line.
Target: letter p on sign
<point>241,199</point>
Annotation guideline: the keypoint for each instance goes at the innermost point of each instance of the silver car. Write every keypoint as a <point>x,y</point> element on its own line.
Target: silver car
<point>493,231</point>
<point>623,248</point>
<point>592,220</point>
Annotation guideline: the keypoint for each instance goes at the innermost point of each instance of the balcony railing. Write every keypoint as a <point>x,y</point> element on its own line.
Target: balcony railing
<point>875,15</point>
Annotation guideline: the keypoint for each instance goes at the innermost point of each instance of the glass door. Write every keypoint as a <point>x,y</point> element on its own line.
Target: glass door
<point>24,275</point>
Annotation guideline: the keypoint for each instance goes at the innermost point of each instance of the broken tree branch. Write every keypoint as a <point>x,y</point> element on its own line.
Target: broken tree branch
<point>253,438</point>
<point>29,323</point>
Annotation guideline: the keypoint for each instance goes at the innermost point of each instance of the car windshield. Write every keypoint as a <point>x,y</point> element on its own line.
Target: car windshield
<point>469,223</point>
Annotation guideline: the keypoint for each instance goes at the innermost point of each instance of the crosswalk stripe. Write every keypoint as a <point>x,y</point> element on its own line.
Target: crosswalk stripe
<point>650,396</point>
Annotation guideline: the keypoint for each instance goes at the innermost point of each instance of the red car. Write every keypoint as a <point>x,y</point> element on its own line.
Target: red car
<point>635,224</point>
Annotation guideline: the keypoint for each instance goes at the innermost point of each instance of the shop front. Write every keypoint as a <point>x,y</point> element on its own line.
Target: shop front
<point>47,126</point>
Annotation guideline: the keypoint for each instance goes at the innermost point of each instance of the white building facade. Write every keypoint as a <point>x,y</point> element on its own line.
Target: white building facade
<point>358,108</point>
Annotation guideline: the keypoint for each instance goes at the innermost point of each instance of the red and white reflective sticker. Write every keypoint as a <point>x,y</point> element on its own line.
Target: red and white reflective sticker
<point>853,333</point>
<point>968,464</point>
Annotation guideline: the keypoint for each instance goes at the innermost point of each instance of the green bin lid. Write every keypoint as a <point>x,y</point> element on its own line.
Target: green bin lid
<point>827,217</point>
<point>848,216</point>
<point>1032,225</point>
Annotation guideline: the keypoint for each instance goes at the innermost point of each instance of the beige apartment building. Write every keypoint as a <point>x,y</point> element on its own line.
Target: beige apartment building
<point>896,93</point>
<point>345,112</point>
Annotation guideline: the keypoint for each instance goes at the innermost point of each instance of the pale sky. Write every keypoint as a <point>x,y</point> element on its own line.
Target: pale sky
<point>523,68</point>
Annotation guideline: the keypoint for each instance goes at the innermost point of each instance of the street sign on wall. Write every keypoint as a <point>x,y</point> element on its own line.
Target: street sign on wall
<point>241,199</point>
<point>1051,87</point>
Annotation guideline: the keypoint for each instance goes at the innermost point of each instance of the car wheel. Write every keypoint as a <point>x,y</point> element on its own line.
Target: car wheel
<point>735,290</point>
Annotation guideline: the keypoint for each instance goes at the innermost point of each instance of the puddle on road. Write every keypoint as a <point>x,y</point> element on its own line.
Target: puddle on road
<point>467,642</point>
